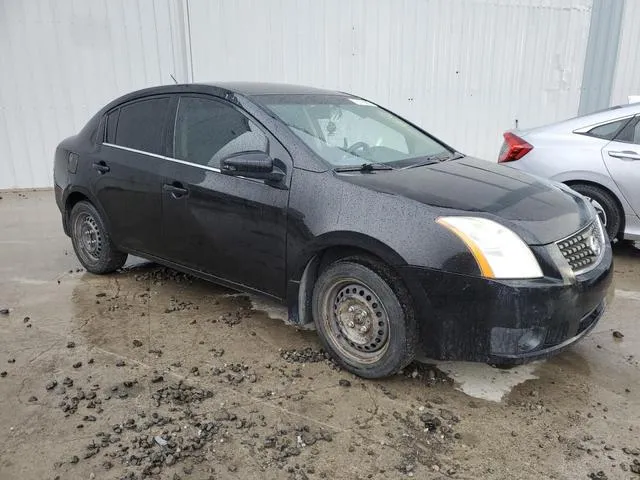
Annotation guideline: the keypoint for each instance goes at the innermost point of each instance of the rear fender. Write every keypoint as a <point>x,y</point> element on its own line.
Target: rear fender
<point>68,200</point>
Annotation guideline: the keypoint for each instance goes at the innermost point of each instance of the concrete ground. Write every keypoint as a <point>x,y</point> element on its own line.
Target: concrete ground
<point>152,373</point>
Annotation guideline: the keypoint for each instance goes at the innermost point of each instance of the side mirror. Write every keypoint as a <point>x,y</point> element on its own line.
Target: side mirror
<point>253,165</point>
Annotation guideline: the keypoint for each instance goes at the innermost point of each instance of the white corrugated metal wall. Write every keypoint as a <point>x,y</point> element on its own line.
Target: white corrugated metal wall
<point>464,69</point>
<point>61,61</point>
<point>626,80</point>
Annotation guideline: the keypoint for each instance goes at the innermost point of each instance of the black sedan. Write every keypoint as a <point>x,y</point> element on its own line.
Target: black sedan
<point>393,243</point>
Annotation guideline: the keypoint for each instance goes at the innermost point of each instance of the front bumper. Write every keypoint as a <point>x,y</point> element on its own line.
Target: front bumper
<point>462,317</point>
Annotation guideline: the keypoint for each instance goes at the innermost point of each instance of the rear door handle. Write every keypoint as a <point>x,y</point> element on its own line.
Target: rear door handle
<point>101,166</point>
<point>176,190</point>
<point>625,155</point>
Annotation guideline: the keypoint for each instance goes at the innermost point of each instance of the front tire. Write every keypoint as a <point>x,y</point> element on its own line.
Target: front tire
<point>91,240</point>
<point>364,317</point>
<point>605,205</point>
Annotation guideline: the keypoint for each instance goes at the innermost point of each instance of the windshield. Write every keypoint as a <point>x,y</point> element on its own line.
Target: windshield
<point>350,131</point>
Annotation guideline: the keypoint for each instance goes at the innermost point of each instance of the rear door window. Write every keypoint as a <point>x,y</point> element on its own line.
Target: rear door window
<point>608,130</point>
<point>208,131</point>
<point>140,125</point>
<point>630,133</point>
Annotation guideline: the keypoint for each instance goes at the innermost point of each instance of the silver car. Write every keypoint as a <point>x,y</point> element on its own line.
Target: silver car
<point>598,155</point>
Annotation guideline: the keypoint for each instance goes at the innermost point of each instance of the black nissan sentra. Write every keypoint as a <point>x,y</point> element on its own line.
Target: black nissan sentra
<point>393,243</point>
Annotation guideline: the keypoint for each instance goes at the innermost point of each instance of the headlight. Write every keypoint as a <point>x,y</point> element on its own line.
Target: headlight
<point>499,252</point>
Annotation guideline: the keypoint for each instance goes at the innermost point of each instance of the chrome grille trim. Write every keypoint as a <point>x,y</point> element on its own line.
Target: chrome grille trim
<point>578,249</point>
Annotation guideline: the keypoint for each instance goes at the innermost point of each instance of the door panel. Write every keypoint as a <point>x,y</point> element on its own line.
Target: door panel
<point>126,173</point>
<point>231,227</point>
<point>130,195</point>
<point>622,158</point>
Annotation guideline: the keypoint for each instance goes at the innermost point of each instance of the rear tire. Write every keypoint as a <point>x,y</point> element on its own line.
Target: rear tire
<point>605,205</point>
<point>364,317</point>
<point>91,240</point>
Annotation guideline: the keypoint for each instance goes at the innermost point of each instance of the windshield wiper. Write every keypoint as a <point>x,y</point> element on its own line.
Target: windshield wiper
<point>456,156</point>
<point>365,167</point>
<point>427,161</point>
<point>437,159</point>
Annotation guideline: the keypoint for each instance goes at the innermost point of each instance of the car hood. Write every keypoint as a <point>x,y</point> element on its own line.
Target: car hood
<point>541,212</point>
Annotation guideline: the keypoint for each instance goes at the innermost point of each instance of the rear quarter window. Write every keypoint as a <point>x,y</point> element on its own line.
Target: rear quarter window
<point>630,133</point>
<point>609,130</point>
<point>112,123</point>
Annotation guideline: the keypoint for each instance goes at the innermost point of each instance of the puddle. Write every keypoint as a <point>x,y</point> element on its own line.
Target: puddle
<point>482,381</point>
<point>273,309</point>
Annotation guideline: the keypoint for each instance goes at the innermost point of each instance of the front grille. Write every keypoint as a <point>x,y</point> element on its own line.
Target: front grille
<point>582,250</point>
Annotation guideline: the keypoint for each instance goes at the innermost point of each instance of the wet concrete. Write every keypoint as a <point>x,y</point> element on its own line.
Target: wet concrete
<point>139,332</point>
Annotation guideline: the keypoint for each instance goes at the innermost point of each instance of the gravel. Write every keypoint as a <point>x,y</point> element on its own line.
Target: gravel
<point>303,355</point>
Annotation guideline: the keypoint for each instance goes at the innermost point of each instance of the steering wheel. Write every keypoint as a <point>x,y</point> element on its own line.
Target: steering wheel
<point>358,146</point>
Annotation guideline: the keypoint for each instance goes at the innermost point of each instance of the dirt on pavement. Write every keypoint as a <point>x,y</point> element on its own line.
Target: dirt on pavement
<point>149,373</point>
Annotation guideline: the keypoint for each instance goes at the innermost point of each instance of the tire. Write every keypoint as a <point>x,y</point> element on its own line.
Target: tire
<point>91,240</point>
<point>364,317</point>
<point>606,206</point>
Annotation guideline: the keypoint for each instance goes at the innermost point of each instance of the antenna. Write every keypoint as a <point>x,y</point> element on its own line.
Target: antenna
<point>173,78</point>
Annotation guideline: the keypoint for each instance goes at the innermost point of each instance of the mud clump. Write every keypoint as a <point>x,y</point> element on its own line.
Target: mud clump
<point>304,355</point>
<point>232,318</point>
<point>176,305</point>
<point>180,394</point>
<point>600,475</point>
<point>426,373</point>
<point>162,275</point>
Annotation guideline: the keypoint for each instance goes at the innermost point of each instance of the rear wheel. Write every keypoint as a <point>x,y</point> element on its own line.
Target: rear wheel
<point>91,240</point>
<point>605,205</point>
<point>364,317</point>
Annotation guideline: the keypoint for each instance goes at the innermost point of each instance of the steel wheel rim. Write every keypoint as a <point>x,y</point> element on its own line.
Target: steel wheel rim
<point>599,210</point>
<point>88,236</point>
<point>356,321</point>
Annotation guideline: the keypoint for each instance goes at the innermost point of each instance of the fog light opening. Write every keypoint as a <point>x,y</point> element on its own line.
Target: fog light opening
<point>531,340</point>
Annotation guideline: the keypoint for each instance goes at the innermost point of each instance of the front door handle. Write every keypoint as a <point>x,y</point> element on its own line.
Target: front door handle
<point>625,155</point>
<point>175,189</point>
<point>101,166</point>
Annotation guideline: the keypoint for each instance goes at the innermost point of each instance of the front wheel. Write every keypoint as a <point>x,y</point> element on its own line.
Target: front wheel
<point>364,317</point>
<point>91,240</point>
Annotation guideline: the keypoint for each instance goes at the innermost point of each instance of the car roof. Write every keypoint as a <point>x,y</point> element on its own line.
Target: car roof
<point>595,118</point>
<point>245,89</point>
<point>264,88</point>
